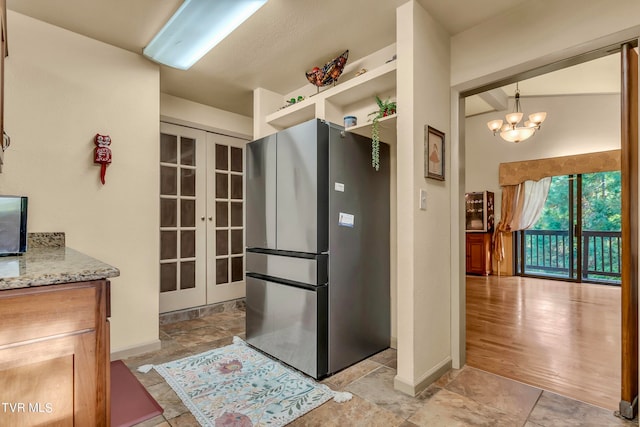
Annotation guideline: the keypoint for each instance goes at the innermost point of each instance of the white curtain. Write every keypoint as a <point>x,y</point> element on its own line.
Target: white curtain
<point>522,205</point>
<point>530,202</point>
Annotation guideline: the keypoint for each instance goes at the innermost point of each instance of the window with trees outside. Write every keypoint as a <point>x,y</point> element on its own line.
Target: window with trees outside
<point>578,235</point>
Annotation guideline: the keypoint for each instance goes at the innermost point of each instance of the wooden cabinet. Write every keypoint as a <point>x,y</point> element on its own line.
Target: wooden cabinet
<point>54,355</point>
<point>478,250</point>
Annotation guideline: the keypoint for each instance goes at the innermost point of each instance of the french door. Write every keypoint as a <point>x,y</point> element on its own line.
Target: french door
<point>578,235</point>
<point>201,218</point>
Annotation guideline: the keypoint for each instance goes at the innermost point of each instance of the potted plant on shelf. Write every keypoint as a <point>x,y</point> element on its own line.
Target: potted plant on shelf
<point>385,108</point>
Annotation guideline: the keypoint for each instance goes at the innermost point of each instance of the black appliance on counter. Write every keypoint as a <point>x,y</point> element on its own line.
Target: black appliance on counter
<point>13,225</point>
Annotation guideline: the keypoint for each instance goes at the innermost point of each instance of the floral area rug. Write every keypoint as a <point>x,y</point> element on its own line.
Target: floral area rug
<point>237,386</point>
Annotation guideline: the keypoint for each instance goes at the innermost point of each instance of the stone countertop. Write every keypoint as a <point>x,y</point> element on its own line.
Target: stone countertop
<point>42,266</point>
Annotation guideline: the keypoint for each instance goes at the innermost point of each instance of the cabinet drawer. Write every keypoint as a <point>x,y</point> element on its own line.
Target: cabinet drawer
<point>38,312</point>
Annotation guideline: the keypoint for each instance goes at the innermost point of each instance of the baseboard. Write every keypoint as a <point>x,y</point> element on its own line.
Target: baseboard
<point>136,350</point>
<point>205,310</point>
<point>424,381</point>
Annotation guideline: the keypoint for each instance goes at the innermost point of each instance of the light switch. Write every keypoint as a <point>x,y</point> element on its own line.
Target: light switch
<point>423,199</point>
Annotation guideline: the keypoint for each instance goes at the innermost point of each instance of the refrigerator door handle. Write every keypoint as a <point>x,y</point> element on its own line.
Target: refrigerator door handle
<point>282,281</point>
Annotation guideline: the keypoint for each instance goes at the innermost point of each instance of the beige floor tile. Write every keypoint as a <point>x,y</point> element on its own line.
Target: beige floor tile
<point>350,374</point>
<point>559,411</point>
<point>385,357</point>
<point>168,400</point>
<point>447,377</point>
<point>495,391</point>
<point>184,420</point>
<point>377,388</point>
<point>357,412</point>
<point>448,409</point>
<point>158,421</point>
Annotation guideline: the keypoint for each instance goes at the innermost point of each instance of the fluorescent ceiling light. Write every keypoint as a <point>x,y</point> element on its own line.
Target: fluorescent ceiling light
<point>196,27</point>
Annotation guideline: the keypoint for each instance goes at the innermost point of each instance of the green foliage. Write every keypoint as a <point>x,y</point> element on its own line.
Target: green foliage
<point>385,108</point>
<point>601,208</point>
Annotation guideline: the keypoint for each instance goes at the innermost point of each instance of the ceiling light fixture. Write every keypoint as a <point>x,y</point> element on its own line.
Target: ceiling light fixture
<point>510,131</point>
<point>196,27</point>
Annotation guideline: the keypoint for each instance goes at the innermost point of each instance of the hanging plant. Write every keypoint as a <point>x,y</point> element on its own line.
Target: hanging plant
<point>385,108</point>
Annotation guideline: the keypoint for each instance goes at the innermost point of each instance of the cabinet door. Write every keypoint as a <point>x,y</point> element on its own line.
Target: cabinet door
<point>54,359</point>
<point>40,383</point>
<point>478,256</point>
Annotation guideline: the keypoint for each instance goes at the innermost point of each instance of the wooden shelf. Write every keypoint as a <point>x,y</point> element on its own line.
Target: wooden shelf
<point>387,129</point>
<point>363,87</point>
<point>367,85</point>
<point>297,113</point>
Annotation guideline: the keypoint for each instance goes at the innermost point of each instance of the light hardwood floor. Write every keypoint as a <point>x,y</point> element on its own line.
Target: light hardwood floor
<point>560,336</point>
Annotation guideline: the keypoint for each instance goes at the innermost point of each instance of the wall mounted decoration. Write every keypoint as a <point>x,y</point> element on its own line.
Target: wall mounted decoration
<point>434,150</point>
<point>102,154</point>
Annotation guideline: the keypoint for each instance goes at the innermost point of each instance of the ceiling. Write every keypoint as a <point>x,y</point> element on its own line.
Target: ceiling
<point>272,49</point>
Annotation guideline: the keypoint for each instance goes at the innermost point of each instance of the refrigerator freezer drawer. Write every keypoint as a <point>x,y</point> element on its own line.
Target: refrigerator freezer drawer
<point>289,324</point>
<point>312,270</point>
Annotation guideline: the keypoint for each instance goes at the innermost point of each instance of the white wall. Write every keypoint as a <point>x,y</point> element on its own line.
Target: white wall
<point>62,89</point>
<point>424,292</point>
<point>575,124</point>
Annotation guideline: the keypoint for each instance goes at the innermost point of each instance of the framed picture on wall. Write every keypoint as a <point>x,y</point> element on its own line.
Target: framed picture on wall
<point>433,153</point>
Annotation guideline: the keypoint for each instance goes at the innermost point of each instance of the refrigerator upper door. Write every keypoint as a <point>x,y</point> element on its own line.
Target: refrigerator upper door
<point>261,193</point>
<point>302,192</point>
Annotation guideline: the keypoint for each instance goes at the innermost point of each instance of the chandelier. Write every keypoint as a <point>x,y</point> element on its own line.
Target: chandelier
<point>510,131</point>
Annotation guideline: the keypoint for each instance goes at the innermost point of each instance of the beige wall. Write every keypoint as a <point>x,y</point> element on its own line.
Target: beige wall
<point>183,112</point>
<point>62,89</point>
<point>424,293</point>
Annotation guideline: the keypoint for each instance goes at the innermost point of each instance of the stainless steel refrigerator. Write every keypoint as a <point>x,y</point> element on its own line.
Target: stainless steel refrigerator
<point>317,260</point>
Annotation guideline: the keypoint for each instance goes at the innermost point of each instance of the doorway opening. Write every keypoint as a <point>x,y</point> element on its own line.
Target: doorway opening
<point>567,113</point>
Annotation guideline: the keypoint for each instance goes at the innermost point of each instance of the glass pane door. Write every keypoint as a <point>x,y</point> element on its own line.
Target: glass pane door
<point>182,233</point>
<point>601,227</point>
<point>225,228</point>
<point>576,241</point>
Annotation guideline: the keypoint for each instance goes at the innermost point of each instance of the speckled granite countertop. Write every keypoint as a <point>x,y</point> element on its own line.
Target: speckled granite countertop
<point>41,266</point>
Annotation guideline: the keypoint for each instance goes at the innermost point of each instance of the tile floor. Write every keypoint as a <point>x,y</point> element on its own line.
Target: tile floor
<point>465,397</point>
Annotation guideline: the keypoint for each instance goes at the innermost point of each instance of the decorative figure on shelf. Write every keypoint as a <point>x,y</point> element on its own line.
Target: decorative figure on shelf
<point>329,73</point>
<point>292,101</point>
<point>102,154</point>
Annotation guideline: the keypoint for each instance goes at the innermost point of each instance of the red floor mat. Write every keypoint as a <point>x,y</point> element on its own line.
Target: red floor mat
<point>131,403</point>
